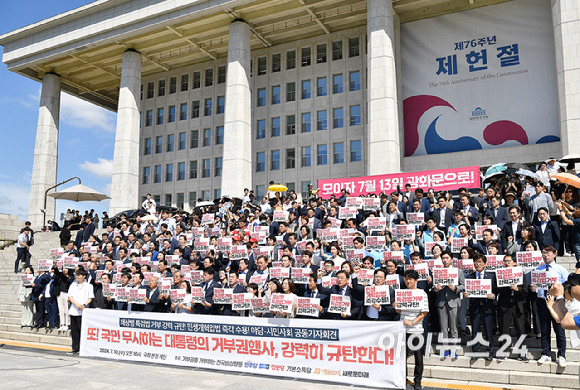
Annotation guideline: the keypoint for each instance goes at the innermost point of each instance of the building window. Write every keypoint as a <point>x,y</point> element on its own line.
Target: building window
<point>306,122</point>
<point>195,109</point>
<point>337,83</point>
<point>194,142</point>
<point>306,60</point>
<point>184,82</point>
<point>355,151</point>
<point>219,135</point>
<point>180,201</point>
<point>206,137</point>
<point>306,89</point>
<point>276,94</point>
<point>172,85</point>
<point>354,81</point>
<point>355,115</point>
<point>205,195</point>
<point>290,92</point>
<point>261,129</point>
<point>169,172</point>
<point>353,47</point>
<point>275,127</point>
<point>217,193</point>
<point>160,115</point>
<point>262,66</point>
<point>338,153</point>
<point>306,161</point>
<point>206,167</point>
<point>321,120</point>
<point>168,200</point>
<point>275,161</point>
<point>337,118</point>
<point>276,62</point>
<point>193,169</point>
<point>196,80</point>
<point>146,175</point>
<point>290,124</point>
<point>291,186</point>
<point>148,117</point>
<point>183,111</point>
<point>141,91</point>
<point>261,97</point>
<point>209,77</point>
<point>182,140</point>
<point>147,149</point>
<point>260,161</point>
<point>218,166</point>
<point>159,144</point>
<point>321,53</point>
<point>192,199</point>
<point>336,50</point>
<point>171,114</point>
<point>181,171</point>
<point>304,185</point>
<point>290,158</point>
<point>221,104</point>
<point>260,191</point>
<point>290,59</point>
<point>221,74</point>
<point>321,86</point>
<point>161,88</point>
<point>150,90</point>
<point>207,107</point>
<point>157,175</point>
<point>170,142</point>
<point>321,154</point>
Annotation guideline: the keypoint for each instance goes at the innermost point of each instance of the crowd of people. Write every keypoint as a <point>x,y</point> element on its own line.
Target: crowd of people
<point>252,246</point>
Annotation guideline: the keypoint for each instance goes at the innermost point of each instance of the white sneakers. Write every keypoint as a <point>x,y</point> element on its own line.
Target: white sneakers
<point>562,362</point>
<point>63,328</point>
<point>545,359</point>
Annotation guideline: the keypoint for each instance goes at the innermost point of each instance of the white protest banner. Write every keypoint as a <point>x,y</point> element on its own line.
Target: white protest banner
<point>133,251</point>
<point>280,273</point>
<point>259,279</point>
<point>196,277</point>
<point>445,276</point>
<point>208,218</point>
<point>109,290</point>
<point>263,251</point>
<point>377,294</point>
<point>429,247</point>
<point>56,252</point>
<point>405,232</point>
<point>308,307</point>
<point>355,255</point>
<point>197,294</point>
<point>71,262</point>
<point>223,296</point>
<point>393,282</point>
<point>329,235</point>
<point>27,279</point>
<point>433,263</point>
<point>529,259</point>
<point>301,245</point>
<point>281,302</point>
<point>365,276</point>
<point>335,223</point>
<point>376,224</point>
<point>44,264</point>
<point>415,218</point>
<point>224,244</point>
<point>544,280</point>
<point>372,203</point>
<point>347,212</point>
<point>493,262</point>
<point>123,294</point>
<point>242,301</point>
<point>301,275</point>
<point>339,304</point>
<point>422,269</point>
<point>260,305</point>
<point>165,285</point>
<point>508,276</point>
<point>354,201</point>
<point>328,281</point>
<point>177,295</point>
<point>146,277</point>
<point>253,345</point>
<point>478,288</point>
<point>480,228</point>
<point>142,260</point>
<point>137,296</point>
<point>457,243</point>
<point>260,237</point>
<point>280,216</point>
<point>201,244</point>
<point>466,265</point>
<point>347,242</point>
<point>238,252</point>
<point>409,299</point>
<point>397,256</point>
<point>375,243</point>
<point>117,280</point>
<point>342,233</point>
<point>172,259</point>
<point>84,264</point>
<point>99,275</point>
<point>197,232</point>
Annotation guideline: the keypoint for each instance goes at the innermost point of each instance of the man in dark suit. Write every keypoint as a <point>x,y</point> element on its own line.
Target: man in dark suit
<point>312,292</point>
<point>38,287</point>
<point>342,288</point>
<point>482,309</point>
<point>443,216</point>
<point>470,213</point>
<point>207,306</point>
<point>547,231</point>
<point>238,289</point>
<point>375,311</point>
<point>498,213</point>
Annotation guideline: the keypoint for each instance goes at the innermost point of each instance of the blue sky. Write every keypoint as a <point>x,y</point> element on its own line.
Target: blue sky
<point>86,133</point>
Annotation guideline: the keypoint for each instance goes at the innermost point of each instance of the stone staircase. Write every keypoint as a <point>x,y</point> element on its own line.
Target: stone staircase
<point>10,227</point>
<point>508,373</point>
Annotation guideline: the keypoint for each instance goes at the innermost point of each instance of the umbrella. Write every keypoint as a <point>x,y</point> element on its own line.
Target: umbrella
<point>570,158</point>
<point>277,188</point>
<point>79,193</point>
<point>204,204</point>
<point>149,218</point>
<point>496,168</point>
<point>568,179</point>
<point>493,176</point>
<point>528,173</point>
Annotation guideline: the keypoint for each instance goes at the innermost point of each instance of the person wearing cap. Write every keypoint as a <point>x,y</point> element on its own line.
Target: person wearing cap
<point>510,200</point>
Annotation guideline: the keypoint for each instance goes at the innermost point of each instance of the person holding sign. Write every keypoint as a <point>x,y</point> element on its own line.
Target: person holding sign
<point>207,306</point>
<point>185,306</point>
<point>413,321</point>
<point>341,288</point>
<point>482,309</point>
<point>25,299</point>
<point>376,311</point>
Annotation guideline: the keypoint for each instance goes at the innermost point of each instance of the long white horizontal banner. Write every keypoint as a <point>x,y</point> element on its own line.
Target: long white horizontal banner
<point>351,352</point>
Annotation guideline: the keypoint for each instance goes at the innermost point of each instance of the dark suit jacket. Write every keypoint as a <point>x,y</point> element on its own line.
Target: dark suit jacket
<point>483,305</point>
<point>227,311</point>
<point>507,231</point>
<point>209,298</point>
<point>551,236</point>
<point>356,301</point>
<point>40,283</point>
<point>501,216</point>
<point>387,312</point>
<point>506,297</point>
<point>448,217</point>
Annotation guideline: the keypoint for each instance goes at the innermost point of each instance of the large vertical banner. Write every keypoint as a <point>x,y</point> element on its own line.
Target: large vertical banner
<point>480,79</point>
<point>367,353</point>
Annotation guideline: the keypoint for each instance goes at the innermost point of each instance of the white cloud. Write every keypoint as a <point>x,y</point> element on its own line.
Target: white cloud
<point>79,113</point>
<point>101,168</point>
<point>14,199</point>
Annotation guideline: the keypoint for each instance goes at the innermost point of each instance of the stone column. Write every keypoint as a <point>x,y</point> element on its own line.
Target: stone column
<point>45,151</point>
<point>566,21</point>
<point>383,151</point>
<point>125,185</point>
<point>237,158</point>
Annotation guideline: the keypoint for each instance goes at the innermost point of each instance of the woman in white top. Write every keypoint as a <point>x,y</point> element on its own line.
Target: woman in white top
<point>335,255</point>
<point>185,306</point>
<point>288,288</point>
<point>25,299</point>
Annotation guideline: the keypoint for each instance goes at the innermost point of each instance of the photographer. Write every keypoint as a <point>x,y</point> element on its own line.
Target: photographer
<point>559,293</point>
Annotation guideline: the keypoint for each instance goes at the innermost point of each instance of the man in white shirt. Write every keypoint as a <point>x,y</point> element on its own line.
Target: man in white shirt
<point>149,204</point>
<point>80,295</point>
<point>22,247</point>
